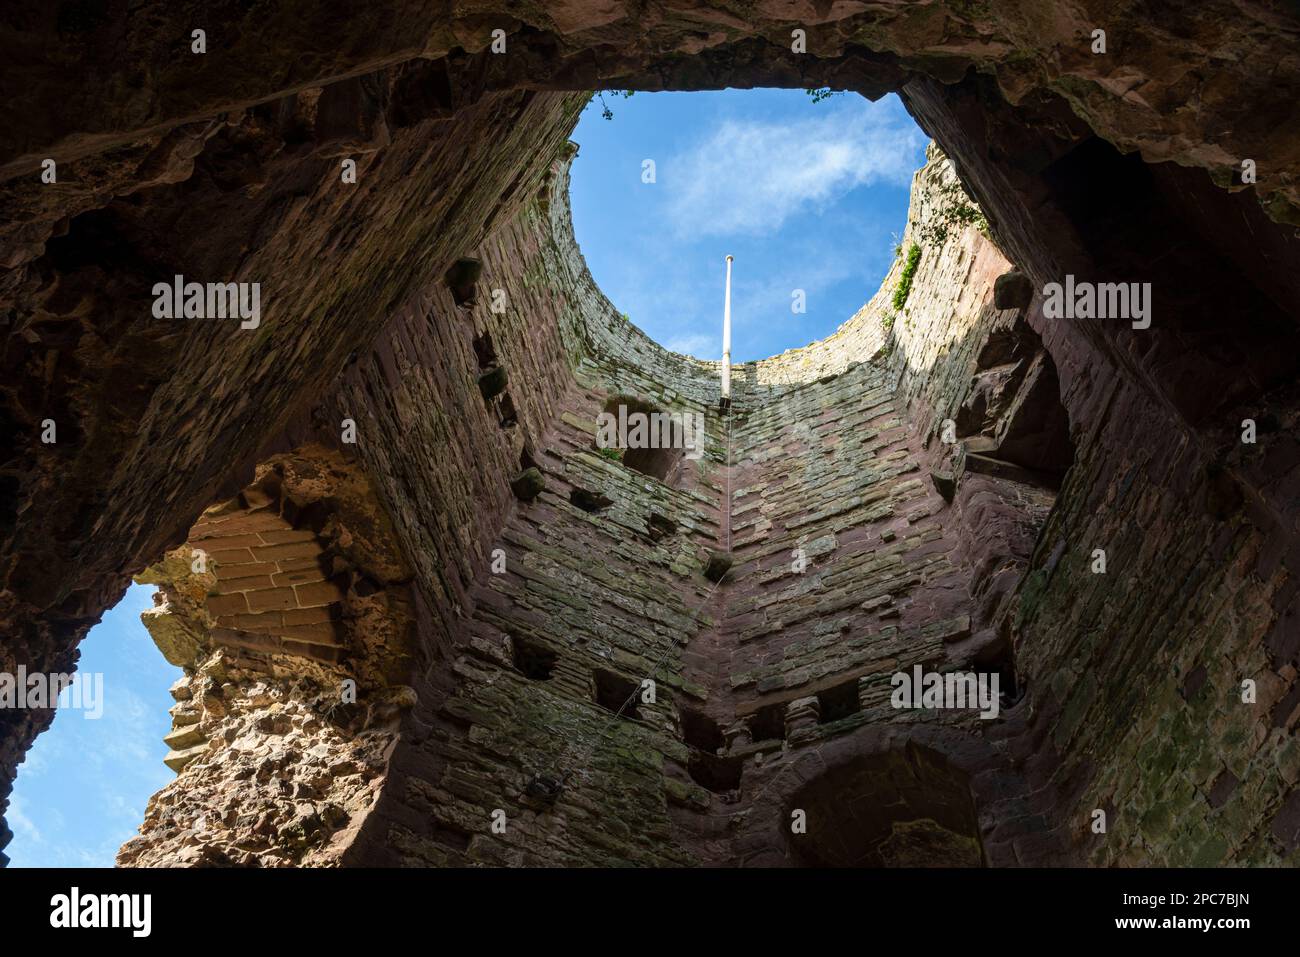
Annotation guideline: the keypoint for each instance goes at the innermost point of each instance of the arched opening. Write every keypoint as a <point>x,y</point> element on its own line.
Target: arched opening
<point>82,788</point>
<point>647,439</point>
<point>907,807</point>
<point>289,611</point>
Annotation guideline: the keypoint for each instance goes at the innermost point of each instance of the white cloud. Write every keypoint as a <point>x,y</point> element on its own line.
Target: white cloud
<point>769,297</point>
<point>131,740</point>
<point>699,346</point>
<point>23,827</point>
<point>749,177</point>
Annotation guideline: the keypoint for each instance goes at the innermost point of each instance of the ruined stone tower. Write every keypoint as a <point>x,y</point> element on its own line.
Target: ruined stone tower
<point>425,619</point>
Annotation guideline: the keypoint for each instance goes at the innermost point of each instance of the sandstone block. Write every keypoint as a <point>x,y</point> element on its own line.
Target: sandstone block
<point>309,616</point>
<point>237,577</point>
<point>275,553</point>
<point>222,543</point>
<point>233,556</point>
<point>219,605</point>
<point>177,760</point>
<point>298,564</point>
<point>285,535</point>
<point>184,738</point>
<point>324,633</point>
<point>528,484</point>
<point>270,599</point>
<point>319,593</point>
<point>267,621</point>
<point>944,483</point>
<point>317,651</point>
<point>304,576</point>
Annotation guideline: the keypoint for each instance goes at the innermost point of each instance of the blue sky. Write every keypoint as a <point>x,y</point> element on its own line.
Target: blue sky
<point>805,196</point>
<point>83,788</point>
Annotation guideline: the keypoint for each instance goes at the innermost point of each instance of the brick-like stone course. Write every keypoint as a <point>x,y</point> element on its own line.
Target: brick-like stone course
<point>310,696</point>
<point>258,587</point>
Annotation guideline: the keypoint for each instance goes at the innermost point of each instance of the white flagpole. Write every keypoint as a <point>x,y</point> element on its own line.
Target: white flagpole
<point>726,342</point>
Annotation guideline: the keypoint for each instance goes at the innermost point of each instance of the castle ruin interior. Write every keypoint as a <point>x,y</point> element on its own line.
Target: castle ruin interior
<point>394,482</point>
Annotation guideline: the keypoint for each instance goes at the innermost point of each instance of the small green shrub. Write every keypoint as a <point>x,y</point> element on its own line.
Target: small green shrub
<point>605,111</point>
<point>887,321</point>
<point>614,455</point>
<point>905,280</point>
<point>955,211</point>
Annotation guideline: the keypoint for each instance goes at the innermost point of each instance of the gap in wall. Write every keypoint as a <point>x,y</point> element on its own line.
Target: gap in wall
<point>81,791</point>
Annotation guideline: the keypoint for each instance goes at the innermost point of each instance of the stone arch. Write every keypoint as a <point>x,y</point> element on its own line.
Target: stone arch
<point>658,459</point>
<point>903,807</point>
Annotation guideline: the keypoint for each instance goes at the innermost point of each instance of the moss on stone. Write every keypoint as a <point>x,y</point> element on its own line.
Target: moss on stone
<point>904,287</point>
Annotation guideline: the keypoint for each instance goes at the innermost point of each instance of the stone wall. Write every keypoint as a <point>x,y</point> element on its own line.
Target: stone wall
<point>599,583</point>
<point>1142,690</point>
<point>1171,84</point>
<point>178,413</point>
<point>881,495</point>
<point>915,548</point>
<point>1135,675</point>
<point>598,576</point>
<point>290,612</point>
<point>226,166</point>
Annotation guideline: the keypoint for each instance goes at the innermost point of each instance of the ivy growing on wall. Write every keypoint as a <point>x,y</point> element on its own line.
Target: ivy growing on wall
<point>955,210</point>
<point>904,288</point>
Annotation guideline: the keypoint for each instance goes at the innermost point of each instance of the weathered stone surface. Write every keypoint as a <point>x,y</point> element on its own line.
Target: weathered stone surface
<point>944,483</point>
<point>1013,290</point>
<point>178,761</point>
<point>1126,94</point>
<point>265,697</point>
<point>528,484</point>
<point>1076,159</point>
<point>718,565</point>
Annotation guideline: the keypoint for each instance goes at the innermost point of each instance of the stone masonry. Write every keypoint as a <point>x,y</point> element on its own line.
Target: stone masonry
<point>603,587</point>
<point>962,482</point>
<point>882,494</point>
<point>292,618</point>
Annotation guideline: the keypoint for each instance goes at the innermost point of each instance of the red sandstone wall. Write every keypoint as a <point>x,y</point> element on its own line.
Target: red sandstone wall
<point>828,465</point>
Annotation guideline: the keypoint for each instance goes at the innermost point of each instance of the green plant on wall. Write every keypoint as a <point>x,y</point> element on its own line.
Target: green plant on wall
<point>955,211</point>
<point>614,455</point>
<point>904,287</point>
<point>605,111</point>
<point>887,321</point>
